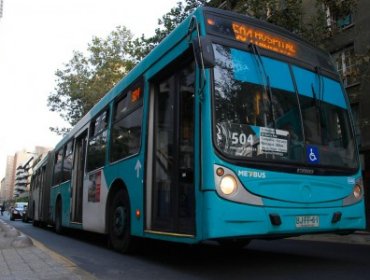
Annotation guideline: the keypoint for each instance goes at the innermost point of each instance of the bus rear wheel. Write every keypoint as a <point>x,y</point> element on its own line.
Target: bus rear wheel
<point>119,223</point>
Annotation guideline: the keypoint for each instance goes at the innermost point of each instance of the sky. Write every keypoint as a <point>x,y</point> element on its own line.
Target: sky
<point>37,37</point>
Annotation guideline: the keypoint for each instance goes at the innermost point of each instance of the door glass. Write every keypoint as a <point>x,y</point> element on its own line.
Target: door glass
<point>186,153</point>
<point>164,149</point>
<point>79,171</point>
<point>173,153</point>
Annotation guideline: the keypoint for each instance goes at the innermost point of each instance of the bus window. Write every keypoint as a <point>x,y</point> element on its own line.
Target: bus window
<point>58,176</point>
<point>252,120</point>
<point>67,162</point>
<point>97,142</point>
<point>126,129</point>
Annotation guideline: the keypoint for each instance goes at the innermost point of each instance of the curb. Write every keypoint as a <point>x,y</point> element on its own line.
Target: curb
<point>67,263</point>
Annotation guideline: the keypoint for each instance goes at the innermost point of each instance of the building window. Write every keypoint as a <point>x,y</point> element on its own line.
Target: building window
<point>337,18</point>
<point>347,67</point>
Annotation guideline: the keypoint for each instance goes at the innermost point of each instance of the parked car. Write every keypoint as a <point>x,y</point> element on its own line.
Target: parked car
<point>18,210</point>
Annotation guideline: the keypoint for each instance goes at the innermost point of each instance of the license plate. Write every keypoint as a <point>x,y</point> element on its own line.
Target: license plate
<point>307,221</point>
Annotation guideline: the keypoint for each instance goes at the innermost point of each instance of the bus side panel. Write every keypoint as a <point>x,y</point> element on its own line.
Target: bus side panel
<point>62,191</point>
<point>54,192</point>
<point>130,172</point>
<point>35,202</point>
<point>95,192</point>
<point>45,213</point>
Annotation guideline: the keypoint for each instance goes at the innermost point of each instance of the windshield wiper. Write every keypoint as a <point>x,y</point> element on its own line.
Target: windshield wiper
<point>266,77</point>
<point>318,98</point>
<point>316,104</point>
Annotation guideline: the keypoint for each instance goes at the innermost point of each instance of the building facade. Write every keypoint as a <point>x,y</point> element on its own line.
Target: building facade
<point>348,42</point>
<point>2,187</point>
<point>9,189</point>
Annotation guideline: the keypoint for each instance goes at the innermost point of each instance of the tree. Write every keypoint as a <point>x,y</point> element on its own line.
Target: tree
<point>286,13</point>
<point>86,78</point>
<point>142,46</point>
<point>290,15</point>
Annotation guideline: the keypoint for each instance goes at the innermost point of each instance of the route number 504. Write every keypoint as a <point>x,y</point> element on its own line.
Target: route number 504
<point>242,139</point>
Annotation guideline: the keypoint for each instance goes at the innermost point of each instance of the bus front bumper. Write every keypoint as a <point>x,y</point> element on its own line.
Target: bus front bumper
<point>226,219</point>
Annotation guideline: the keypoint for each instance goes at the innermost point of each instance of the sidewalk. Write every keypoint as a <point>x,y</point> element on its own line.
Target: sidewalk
<point>23,258</point>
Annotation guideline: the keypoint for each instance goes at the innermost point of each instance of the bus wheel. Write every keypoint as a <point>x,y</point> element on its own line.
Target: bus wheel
<point>35,223</point>
<point>119,223</point>
<point>58,218</point>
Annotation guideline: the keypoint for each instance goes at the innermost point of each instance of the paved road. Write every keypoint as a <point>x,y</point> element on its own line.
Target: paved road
<point>279,259</point>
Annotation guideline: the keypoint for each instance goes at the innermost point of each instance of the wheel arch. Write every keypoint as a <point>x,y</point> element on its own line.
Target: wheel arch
<point>58,199</point>
<point>115,187</point>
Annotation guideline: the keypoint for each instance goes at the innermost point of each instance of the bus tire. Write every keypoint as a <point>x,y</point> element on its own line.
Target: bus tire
<point>58,218</point>
<point>120,238</point>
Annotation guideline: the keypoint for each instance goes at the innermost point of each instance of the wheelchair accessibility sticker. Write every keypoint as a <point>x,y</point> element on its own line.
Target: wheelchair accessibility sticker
<point>312,154</point>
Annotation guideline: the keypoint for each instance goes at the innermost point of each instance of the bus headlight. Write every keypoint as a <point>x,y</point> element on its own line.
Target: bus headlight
<point>357,191</point>
<point>228,185</point>
<point>356,195</point>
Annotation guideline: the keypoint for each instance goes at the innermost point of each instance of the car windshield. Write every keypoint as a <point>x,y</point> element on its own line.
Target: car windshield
<point>269,110</point>
<point>20,205</point>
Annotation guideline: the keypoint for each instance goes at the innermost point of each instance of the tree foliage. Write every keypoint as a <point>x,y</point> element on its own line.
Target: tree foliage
<point>142,46</point>
<point>86,78</point>
<point>283,13</point>
<point>290,15</point>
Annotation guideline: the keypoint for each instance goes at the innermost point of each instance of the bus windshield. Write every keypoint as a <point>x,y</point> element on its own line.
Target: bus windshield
<point>268,110</point>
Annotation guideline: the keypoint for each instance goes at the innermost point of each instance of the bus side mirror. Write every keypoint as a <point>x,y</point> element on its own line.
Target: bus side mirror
<point>203,52</point>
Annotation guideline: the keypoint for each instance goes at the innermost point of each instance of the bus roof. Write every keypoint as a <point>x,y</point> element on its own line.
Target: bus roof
<point>42,162</point>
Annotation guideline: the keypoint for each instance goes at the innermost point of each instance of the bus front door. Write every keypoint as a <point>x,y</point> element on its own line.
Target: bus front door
<point>172,194</point>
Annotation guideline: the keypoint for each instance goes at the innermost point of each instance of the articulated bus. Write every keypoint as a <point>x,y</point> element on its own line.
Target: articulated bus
<point>231,129</point>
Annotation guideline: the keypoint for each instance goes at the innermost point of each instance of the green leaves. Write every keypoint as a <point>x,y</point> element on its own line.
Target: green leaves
<point>86,78</point>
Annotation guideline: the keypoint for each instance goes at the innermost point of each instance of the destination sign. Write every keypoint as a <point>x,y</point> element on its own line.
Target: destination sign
<point>263,39</point>
<point>248,33</point>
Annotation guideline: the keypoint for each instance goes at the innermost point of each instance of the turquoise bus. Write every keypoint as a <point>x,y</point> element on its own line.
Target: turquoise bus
<point>231,129</point>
